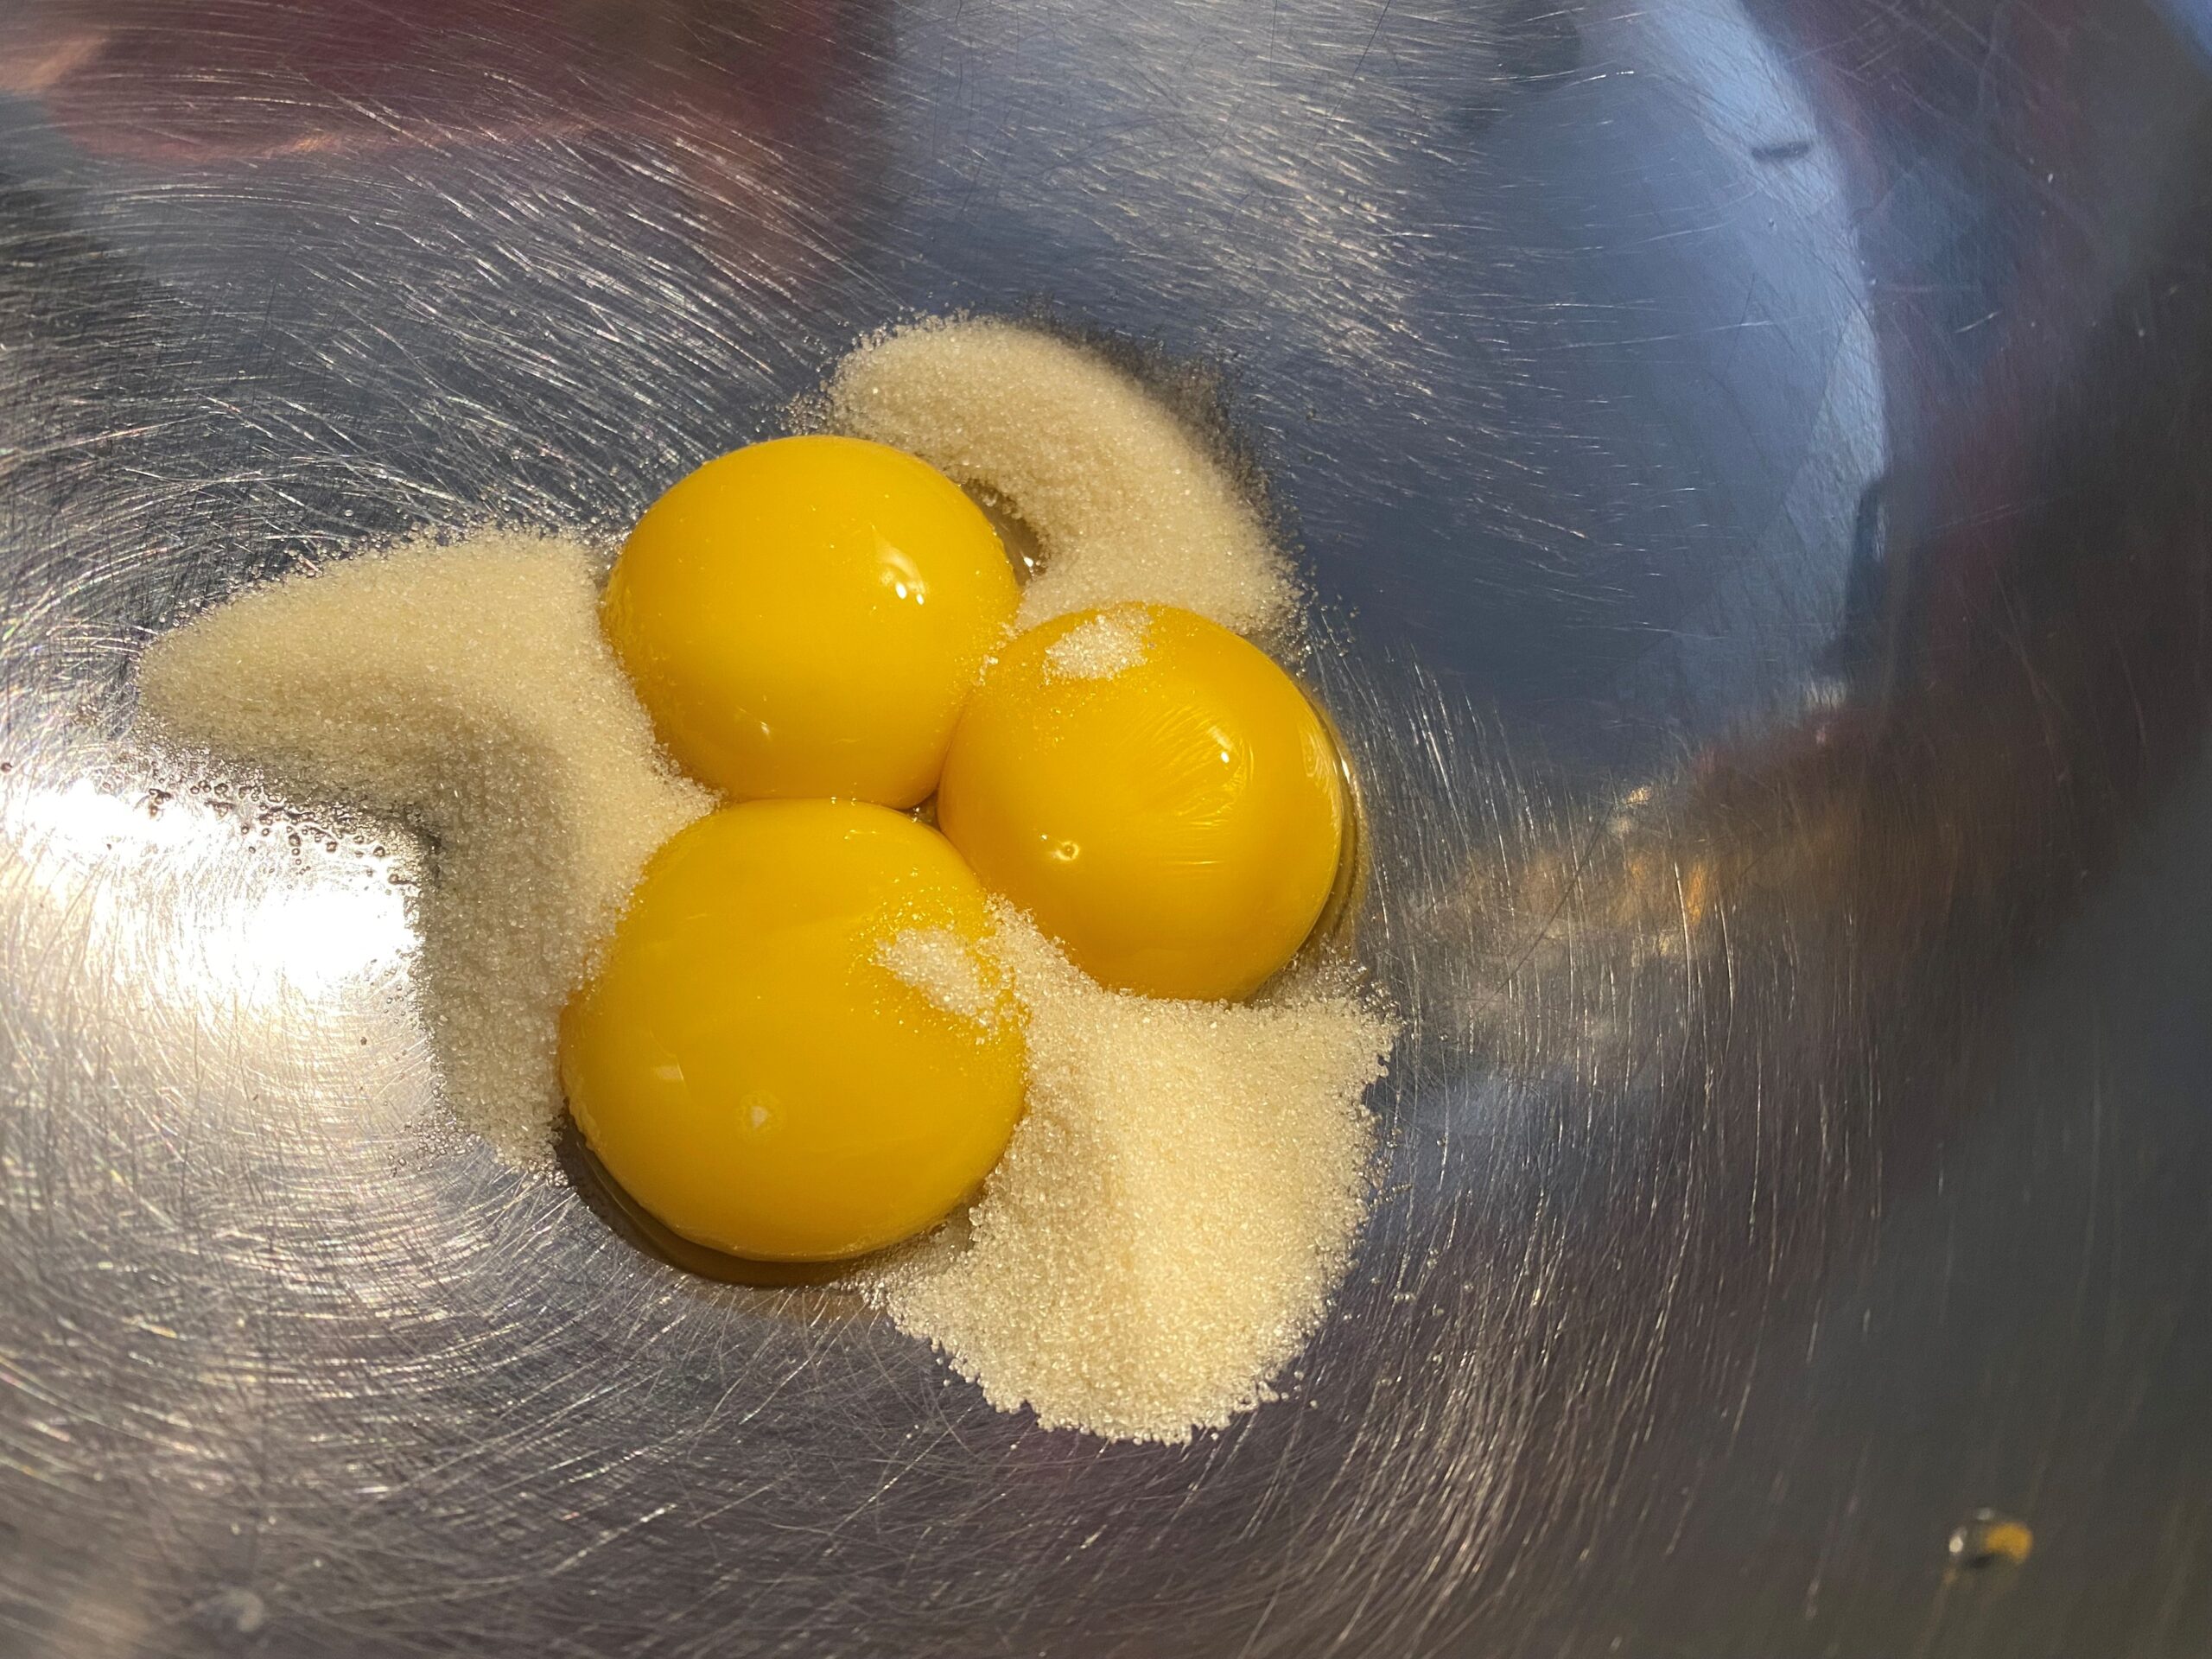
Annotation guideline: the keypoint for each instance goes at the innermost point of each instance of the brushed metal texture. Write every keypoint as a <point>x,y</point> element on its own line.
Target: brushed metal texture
<point>1754,461</point>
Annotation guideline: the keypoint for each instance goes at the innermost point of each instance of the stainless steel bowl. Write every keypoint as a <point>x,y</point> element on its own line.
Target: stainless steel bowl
<point>1756,459</point>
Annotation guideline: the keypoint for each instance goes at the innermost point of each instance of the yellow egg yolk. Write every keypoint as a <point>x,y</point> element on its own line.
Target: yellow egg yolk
<point>749,1069</point>
<point>807,616</point>
<point>1156,793</point>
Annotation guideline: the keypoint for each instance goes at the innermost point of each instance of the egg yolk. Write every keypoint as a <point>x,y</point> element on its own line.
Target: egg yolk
<point>805,617</point>
<point>1156,793</point>
<point>748,1069</point>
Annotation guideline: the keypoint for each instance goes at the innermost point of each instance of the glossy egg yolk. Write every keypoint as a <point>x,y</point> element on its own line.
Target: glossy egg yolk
<point>805,617</point>
<point>748,1069</point>
<point>1156,793</point>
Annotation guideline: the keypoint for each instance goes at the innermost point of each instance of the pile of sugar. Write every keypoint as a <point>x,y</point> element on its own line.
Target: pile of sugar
<point>1185,1189</point>
<point>464,690</point>
<point>1111,643</point>
<point>936,962</point>
<point>1127,502</point>
<point>1180,1199</point>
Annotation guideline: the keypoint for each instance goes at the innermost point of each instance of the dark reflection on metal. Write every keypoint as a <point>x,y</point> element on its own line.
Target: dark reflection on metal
<point>1859,636</point>
<point>641,1228</point>
<point>1885,862</point>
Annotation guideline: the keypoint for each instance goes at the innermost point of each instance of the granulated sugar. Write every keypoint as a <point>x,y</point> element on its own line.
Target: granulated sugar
<point>464,690</point>
<point>1111,643</point>
<point>938,962</point>
<point>1127,502</point>
<point>1163,1234</point>
<point>1185,1187</point>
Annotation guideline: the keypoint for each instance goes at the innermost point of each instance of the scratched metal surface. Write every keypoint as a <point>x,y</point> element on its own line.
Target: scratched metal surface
<point>1755,457</point>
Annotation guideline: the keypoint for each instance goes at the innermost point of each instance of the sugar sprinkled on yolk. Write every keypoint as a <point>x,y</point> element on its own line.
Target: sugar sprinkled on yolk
<point>804,617</point>
<point>801,1044</point>
<point>751,1070</point>
<point>1175,821</point>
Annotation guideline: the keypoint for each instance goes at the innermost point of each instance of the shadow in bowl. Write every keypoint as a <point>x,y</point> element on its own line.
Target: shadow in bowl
<point>636,1226</point>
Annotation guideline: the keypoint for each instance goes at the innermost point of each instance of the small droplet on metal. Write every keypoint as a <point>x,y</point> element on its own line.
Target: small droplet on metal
<point>1989,1539</point>
<point>232,1614</point>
